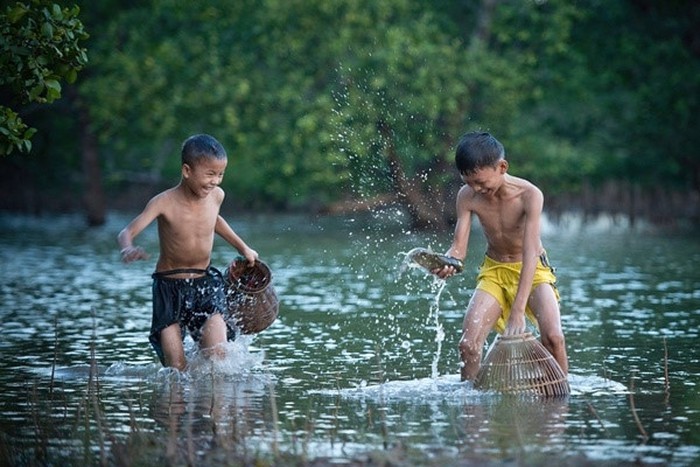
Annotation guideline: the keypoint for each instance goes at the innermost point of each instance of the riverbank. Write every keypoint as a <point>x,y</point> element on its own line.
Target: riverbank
<point>621,203</point>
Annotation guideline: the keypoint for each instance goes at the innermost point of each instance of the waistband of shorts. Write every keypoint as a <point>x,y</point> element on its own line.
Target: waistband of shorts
<point>542,257</point>
<point>201,273</point>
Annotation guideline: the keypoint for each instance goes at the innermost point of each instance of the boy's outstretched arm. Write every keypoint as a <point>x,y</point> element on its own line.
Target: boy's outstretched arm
<point>460,240</point>
<point>226,232</point>
<point>531,251</point>
<point>126,237</point>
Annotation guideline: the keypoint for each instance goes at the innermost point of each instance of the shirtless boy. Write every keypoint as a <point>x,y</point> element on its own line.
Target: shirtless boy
<point>515,279</point>
<point>188,294</point>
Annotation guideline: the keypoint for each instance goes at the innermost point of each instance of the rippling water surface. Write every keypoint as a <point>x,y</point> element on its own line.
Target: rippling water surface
<point>362,359</point>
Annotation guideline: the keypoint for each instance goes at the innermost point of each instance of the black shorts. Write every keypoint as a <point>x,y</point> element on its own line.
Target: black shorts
<point>189,302</point>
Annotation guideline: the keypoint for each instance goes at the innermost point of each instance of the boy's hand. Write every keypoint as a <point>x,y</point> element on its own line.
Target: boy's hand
<point>516,323</point>
<point>444,272</point>
<point>133,253</point>
<point>250,255</point>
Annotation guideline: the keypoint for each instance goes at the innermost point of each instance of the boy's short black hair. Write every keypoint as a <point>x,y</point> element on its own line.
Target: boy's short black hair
<point>477,150</point>
<point>198,147</point>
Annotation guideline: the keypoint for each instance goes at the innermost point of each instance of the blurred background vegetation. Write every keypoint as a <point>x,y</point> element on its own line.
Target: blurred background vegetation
<point>337,105</point>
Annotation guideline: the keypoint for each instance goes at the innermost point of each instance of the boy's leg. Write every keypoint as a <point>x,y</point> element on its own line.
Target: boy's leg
<point>173,350</point>
<point>213,335</point>
<point>482,312</point>
<point>544,304</point>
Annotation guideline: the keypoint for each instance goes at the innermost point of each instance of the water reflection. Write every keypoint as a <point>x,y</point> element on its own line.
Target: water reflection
<point>209,413</point>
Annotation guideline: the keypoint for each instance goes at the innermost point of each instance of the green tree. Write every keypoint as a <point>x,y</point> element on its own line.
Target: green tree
<point>39,48</point>
<point>312,98</point>
<point>361,101</point>
<point>646,70</point>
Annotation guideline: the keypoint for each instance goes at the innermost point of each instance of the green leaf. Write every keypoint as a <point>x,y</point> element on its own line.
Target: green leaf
<point>53,84</point>
<point>56,12</point>
<point>47,30</point>
<point>71,75</point>
<point>53,90</point>
<point>35,92</point>
<point>17,12</point>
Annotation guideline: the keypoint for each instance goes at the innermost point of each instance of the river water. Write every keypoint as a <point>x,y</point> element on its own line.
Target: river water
<point>361,364</point>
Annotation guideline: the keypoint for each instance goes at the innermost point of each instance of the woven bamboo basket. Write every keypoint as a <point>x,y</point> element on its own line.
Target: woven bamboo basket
<point>250,298</point>
<point>521,365</point>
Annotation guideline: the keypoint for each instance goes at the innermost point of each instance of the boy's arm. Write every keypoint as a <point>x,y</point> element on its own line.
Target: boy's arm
<point>460,240</point>
<point>226,232</point>
<point>126,237</point>
<point>531,251</point>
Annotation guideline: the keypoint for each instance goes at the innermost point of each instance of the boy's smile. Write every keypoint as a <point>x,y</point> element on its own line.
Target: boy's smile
<point>486,181</point>
<point>202,178</point>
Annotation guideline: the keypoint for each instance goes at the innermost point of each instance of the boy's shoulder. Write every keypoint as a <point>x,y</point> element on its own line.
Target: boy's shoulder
<point>219,194</point>
<point>161,201</point>
<point>521,181</point>
<point>525,189</point>
<point>165,195</point>
<point>521,185</point>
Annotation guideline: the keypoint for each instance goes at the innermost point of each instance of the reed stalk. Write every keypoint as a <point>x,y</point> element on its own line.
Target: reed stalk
<point>667,382</point>
<point>382,408</point>
<point>311,428</point>
<point>275,423</point>
<point>133,425</point>
<point>595,414</point>
<point>94,396</point>
<point>637,421</point>
<point>190,440</point>
<point>41,437</point>
<point>55,357</point>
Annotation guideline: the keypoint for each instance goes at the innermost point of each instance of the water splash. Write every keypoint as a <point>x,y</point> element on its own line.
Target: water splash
<point>437,286</point>
<point>237,359</point>
<point>439,330</point>
<point>447,388</point>
<point>450,389</point>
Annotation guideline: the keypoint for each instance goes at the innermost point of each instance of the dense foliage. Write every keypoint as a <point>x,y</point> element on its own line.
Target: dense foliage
<point>40,46</point>
<point>319,101</point>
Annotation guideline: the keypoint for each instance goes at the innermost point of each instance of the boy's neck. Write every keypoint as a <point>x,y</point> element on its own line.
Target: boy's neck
<point>187,194</point>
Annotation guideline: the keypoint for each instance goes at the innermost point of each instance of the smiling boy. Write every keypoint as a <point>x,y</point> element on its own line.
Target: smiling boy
<point>188,294</point>
<point>515,279</point>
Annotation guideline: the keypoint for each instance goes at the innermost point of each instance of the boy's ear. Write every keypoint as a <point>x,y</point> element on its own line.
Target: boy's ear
<point>186,170</point>
<point>503,166</point>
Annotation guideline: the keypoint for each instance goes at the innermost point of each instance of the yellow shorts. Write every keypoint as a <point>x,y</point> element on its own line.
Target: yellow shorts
<point>501,281</point>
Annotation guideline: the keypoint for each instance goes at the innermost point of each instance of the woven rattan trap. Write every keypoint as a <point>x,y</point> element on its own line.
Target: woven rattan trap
<point>520,364</point>
<point>251,299</point>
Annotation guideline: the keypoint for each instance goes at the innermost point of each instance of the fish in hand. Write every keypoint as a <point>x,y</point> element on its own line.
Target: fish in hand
<point>431,261</point>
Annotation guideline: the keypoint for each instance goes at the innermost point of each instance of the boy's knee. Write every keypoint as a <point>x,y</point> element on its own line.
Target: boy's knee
<point>554,340</point>
<point>177,362</point>
<point>469,348</point>
<point>214,331</point>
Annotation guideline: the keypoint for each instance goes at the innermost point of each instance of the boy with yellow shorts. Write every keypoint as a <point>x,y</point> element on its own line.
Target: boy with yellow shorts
<point>515,279</point>
<point>501,280</point>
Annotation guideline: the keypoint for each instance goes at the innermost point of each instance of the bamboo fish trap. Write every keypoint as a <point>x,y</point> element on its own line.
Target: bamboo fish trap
<point>521,365</point>
<point>252,303</point>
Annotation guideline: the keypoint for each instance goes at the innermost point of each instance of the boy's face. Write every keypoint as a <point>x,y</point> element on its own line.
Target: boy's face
<point>486,180</point>
<point>204,176</point>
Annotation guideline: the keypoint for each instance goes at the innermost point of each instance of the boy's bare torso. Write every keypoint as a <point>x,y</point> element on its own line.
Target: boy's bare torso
<point>503,216</point>
<point>186,228</point>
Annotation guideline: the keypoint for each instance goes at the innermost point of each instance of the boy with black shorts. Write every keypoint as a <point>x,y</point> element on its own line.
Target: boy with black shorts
<point>188,294</point>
